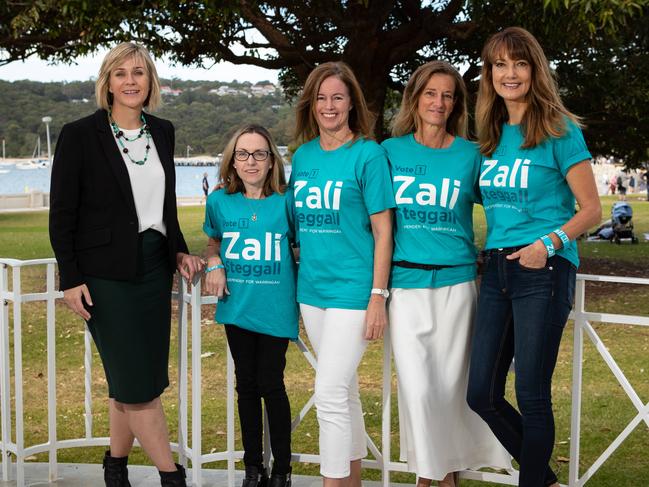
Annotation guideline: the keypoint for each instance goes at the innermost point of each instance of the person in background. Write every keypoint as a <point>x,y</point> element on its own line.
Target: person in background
<point>205,185</point>
<point>612,184</point>
<point>605,185</point>
<point>621,188</point>
<point>530,142</point>
<point>115,234</point>
<point>343,201</point>
<point>433,292</point>
<point>249,224</point>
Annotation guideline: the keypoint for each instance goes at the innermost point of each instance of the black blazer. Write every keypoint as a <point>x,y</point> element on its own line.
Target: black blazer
<point>93,221</point>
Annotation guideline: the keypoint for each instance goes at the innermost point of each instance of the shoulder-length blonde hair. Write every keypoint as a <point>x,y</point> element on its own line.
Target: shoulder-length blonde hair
<point>115,57</point>
<point>408,120</point>
<point>306,122</point>
<point>545,115</point>
<point>275,179</point>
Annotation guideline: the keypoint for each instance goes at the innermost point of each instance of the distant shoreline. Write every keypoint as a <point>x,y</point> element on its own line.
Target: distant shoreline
<point>15,160</point>
<point>180,161</point>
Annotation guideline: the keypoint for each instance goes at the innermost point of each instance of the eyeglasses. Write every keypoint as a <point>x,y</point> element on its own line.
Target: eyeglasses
<point>258,155</point>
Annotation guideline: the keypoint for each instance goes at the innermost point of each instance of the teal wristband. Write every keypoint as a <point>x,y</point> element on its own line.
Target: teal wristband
<point>549,246</point>
<point>214,267</point>
<point>562,235</point>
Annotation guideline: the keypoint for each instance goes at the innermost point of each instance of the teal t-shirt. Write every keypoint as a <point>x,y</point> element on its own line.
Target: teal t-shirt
<point>524,191</point>
<point>258,261</point>
<point>335,193</point>
<point>435,190</point>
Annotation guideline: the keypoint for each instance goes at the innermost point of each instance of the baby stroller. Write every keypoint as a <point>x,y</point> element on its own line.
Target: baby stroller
<point>622,219</point>
<point>620,226</point>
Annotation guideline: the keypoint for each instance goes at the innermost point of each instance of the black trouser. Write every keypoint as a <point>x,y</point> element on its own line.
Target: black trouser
<point>259,362</point>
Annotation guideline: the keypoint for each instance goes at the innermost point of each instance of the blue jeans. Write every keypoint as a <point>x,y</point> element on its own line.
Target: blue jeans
<point>521,315</point>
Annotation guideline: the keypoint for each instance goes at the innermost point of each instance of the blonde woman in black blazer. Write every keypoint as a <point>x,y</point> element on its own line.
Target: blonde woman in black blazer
<point>115,233</point>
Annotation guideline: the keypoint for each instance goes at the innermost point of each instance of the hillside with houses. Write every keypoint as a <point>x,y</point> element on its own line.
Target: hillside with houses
<point>204,113</point>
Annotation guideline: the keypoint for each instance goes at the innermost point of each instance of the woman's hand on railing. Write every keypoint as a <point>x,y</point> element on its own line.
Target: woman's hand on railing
<point>189,265</point>
<point>75,297</point>
<point>216,283</point>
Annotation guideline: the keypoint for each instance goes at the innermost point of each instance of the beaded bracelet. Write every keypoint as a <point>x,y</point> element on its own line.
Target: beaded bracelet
<point>562,235</point>
<point>214,267</point>
<point>549,246</point>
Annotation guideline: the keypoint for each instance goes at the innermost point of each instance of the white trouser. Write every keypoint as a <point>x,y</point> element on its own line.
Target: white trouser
<point>337,339</point>
<point>431,331</point>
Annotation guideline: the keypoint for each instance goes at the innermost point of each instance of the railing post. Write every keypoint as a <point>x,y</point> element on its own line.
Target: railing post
<point>5,380</point>
<point>577,369</point>
<point>182,374</point>
<point>387,409</point>
<point>51,373</point>
<point>267,448</point>
<point>18,378</point>
<point>230,417</point>
<point>87,376</point>
<point>197,448</point>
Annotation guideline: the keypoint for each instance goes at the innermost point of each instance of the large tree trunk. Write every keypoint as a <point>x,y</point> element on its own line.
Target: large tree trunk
<point>371,68</point>
<point>374,90</point>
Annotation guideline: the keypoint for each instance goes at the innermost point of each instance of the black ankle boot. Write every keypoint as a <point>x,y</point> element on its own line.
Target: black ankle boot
<point>281,480</point>
<point>173,479</point>
<point>255,477</point>
<point>115,471</point>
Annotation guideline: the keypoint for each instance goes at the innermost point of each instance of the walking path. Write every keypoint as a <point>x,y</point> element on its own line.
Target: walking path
<point>89,475</point>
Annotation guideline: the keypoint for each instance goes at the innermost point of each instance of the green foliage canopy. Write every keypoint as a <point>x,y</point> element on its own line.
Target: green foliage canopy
<point>382,40</point>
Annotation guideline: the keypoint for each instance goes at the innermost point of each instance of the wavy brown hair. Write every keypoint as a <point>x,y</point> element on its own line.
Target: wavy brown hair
<point>306,122</point>
<point>275,179</point>
<point>407,119</point>
<point>545,115</point>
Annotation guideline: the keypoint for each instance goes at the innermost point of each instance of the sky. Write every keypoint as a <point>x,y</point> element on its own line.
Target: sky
<point>88,66</point>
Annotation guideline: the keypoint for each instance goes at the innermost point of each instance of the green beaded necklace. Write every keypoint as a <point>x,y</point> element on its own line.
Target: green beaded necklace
<point>119,135</point>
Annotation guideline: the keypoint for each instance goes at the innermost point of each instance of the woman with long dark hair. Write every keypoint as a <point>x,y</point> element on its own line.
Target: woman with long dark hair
<point>535,165</point>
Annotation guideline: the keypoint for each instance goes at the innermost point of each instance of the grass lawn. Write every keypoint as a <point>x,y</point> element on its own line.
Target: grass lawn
<point>605,411</point>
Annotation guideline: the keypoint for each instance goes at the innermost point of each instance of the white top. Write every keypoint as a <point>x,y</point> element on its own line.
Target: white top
<point>147,181</point>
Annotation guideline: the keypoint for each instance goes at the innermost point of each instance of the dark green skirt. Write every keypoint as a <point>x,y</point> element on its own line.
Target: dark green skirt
<point>131,322</point>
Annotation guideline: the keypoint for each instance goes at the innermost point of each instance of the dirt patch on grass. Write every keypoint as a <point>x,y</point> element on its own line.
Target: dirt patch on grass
<point>612,267</point>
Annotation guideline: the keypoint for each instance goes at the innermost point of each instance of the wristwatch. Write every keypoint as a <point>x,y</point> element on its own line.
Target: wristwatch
<point>383,292</point>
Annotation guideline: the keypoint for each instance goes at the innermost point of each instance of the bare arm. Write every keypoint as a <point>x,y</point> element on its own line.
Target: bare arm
<point>582,184</point>
<point>376,318</point>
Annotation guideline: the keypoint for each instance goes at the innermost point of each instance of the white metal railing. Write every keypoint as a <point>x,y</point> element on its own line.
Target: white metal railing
<point>188,444</point>
<point>582,319</point>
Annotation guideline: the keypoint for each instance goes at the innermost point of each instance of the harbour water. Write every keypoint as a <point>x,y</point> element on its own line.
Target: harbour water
<point>188,178</point>
<point>14,181</point>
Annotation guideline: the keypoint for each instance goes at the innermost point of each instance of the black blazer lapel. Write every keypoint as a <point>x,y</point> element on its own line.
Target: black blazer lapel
<point>114,157</point>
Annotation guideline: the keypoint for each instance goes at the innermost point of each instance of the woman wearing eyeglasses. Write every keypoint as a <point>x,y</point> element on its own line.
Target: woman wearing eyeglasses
<point>251,269</point>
